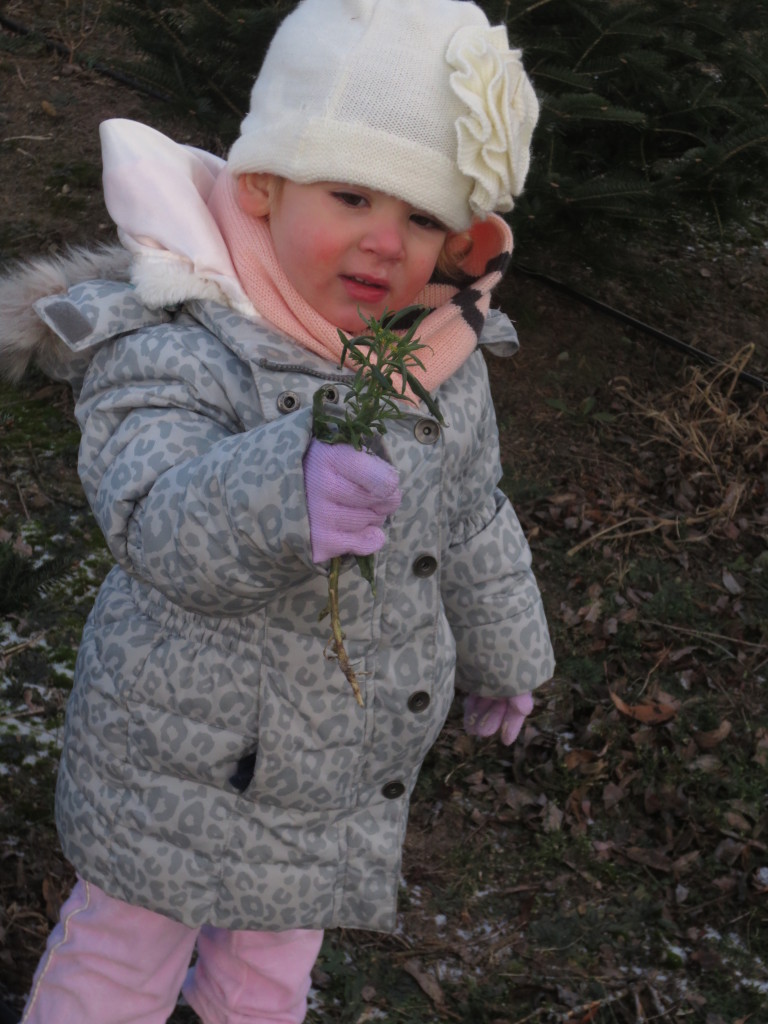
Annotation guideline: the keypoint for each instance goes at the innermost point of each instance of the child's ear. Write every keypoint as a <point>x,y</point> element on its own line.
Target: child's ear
<point>458,245</point>
<point>255,192</point>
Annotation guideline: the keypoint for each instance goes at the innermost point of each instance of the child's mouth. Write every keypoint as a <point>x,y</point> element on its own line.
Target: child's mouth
<point>364,289</point>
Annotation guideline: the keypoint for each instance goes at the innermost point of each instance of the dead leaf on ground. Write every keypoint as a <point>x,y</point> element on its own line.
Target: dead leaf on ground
<point>586,762</point>
<point>649,713</point>
<point>729,850</point>
<point>730,583</point>
<point>761,747</point>
<point>518,797</point>
<point>737,822</point>
<point>708,740</point>
<point>654,859</point>
<point>707,763</point>
<point>612,794</point>
<point>683,863</point>
<point>578,807</point>
<point>552,819</point>
<point>427,982</point>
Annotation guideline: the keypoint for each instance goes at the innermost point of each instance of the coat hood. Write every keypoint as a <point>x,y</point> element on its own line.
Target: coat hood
<point>171,250</point>
<point>24,338</point>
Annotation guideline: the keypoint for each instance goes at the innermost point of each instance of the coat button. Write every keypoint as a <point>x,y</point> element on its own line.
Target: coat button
<point>393,790</point>
<point>419,701</point>
<point>426,431</point>
<point>288,401</point>
<point>424,565</point>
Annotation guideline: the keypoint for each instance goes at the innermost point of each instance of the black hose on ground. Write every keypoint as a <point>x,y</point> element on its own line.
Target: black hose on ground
<point>695,353</point>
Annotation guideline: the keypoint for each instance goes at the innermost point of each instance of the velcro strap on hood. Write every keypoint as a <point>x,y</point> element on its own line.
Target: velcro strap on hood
<point>96,311</point>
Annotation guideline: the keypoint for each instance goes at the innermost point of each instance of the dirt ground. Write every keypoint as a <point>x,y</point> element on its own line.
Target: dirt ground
<point>593,415</point>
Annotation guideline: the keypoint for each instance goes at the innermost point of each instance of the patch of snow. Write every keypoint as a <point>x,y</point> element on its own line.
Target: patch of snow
<point>446,971</point>
<point>677,951</point>
<point>757,986</point>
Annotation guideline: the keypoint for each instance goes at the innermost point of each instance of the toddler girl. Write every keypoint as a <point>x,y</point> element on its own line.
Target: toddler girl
<point>220,790</point>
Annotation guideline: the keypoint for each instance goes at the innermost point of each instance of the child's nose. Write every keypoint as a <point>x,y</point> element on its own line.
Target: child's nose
<point>384,239</point>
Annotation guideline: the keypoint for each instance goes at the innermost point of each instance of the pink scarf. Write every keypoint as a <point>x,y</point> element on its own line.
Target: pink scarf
<point>450,331</point>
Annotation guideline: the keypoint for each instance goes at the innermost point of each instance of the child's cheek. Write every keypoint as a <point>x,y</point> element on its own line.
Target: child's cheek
<point>427,268</point>
<point>322,247</point>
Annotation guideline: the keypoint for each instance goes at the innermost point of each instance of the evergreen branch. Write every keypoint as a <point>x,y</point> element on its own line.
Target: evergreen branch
<point>607,189</point>
<point>161,22</point>
<point>757,136</point>
<point>21,580</point>
<point>563,76</point>
<point>594,108</point>
<point>528,10</point>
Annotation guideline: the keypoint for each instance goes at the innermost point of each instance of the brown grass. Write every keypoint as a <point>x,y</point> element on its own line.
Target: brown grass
<point>712,443</point>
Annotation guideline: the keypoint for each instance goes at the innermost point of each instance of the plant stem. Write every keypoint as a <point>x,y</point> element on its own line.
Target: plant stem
<point>337,634</point>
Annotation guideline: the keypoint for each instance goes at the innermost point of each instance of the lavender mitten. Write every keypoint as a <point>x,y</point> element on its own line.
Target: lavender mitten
<point>349,496</point>
<point>484,716</point>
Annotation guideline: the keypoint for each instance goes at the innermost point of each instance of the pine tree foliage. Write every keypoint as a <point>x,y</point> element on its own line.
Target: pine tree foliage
<point>22,580</point>
<point>203,55</point>
<point>648,106</point>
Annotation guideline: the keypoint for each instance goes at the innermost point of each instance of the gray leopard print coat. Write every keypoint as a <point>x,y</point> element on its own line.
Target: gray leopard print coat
<point>216,766</point>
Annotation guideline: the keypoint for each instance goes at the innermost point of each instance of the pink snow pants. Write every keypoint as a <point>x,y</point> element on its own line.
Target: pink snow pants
<point>107,962</point>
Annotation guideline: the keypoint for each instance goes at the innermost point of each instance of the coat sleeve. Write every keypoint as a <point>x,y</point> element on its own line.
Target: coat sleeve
<point>210,513</point>
<point>489,591</point>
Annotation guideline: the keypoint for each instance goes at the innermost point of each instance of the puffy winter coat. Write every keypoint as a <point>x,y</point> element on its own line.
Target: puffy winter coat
<point>216,766</point>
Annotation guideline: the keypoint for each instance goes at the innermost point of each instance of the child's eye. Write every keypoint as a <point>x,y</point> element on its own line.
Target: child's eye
<point>425,221</point>
<point>349,198</point>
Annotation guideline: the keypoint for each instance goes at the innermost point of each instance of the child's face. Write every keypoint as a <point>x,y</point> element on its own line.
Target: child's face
<point>346,247</point>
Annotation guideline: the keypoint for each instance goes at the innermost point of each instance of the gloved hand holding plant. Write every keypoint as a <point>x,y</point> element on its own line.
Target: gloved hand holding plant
<point>349,496</point>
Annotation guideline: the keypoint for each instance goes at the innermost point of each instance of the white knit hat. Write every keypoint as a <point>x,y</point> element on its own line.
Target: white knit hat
<point>421,99</point>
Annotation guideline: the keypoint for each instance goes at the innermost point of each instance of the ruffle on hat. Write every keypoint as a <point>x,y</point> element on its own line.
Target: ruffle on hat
<point>494,136</point>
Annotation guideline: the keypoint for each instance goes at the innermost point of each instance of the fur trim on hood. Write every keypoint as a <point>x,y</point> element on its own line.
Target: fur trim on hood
<point>24,338</point>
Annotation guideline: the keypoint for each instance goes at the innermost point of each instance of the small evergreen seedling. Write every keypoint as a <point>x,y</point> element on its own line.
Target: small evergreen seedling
<point>384,361</point>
